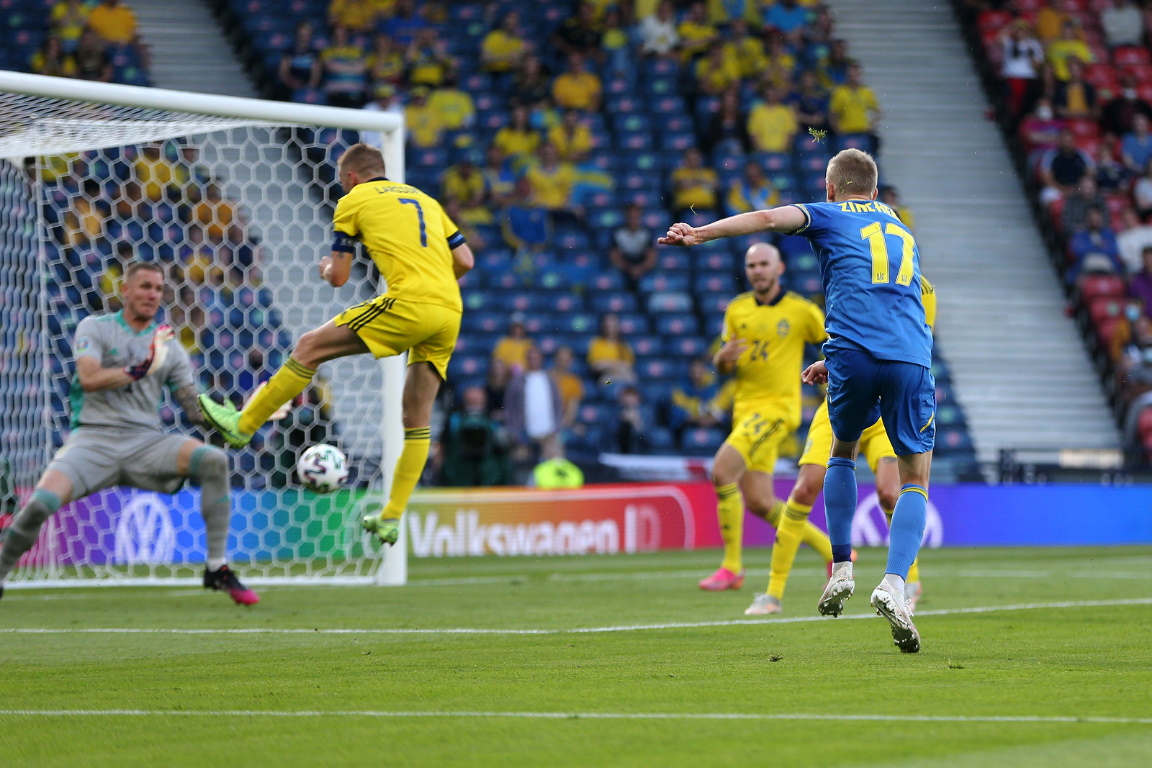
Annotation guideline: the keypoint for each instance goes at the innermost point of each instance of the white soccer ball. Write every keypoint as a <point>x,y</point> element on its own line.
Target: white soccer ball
<point>322,468</point>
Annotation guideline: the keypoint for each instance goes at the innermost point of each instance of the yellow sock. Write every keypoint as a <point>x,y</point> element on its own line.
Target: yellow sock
<point>284,385</point>
<point>409,467</point>
<point>914,571</point>
<point>776,514</point>
<point>788,536</point>
<point>730,511</point>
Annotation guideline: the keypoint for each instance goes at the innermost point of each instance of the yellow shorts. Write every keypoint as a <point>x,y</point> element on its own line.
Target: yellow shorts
<point>757,435</point>
<point>389,326</point>
<point>874,443</point>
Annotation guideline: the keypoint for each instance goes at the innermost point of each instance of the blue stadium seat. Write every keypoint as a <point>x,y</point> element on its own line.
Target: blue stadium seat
<point>677,325</point>
<point>663,281</point>
<point>648,345</point>
<point>722,282</point>
<point>607,281</point>
<point>701,441</point>
<point>633,323</point>
<point>673,259</point>
<point>613,301</point>
<point>662,302</point>
<point>689,346</point>
<point>713,303</point>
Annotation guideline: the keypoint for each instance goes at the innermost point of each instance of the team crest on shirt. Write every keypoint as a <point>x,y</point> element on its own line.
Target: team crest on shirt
<point>782,328</point>
<point>82,345</point>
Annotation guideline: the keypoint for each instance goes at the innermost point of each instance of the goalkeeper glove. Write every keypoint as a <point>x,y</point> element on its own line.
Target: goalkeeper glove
<point>157,354</point>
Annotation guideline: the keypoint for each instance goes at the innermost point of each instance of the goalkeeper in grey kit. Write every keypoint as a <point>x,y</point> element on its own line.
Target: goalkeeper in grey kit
<point>124,361</point>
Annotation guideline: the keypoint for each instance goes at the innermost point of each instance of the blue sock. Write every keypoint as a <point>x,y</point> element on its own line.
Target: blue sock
<point>907,531</point>
<point>840,506</point>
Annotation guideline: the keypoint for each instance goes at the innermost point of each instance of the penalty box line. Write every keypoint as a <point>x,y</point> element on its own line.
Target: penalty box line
<point>1063,605</point>
<point>762,716</point>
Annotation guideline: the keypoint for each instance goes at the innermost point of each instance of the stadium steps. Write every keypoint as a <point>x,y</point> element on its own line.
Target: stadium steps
<point>295,231</point>
<point>188,51</point>
<point>1019,366</point>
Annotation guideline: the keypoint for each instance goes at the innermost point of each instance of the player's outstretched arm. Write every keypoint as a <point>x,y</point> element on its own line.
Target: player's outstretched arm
<point>786,219</point>
<point>186,396</point>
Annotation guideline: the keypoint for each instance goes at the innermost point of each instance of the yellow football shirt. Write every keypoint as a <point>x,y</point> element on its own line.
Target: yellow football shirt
<point>928,297</point>
<point>768,372</point>
<point>408,236</point>
<point>853,107</point>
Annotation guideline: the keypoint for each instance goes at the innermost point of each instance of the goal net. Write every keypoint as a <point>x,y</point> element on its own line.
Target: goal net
<point>234,198</point>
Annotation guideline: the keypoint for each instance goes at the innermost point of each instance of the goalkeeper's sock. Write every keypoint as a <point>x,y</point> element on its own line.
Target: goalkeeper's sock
<point>840,506</point>
<point>284,385</point>
<point>907,531</point>
<point>409,467</point>
<point>730,512</point>
<point>788,537</point>
<point>209,465</point>
<point>914,569</point>
<point>25,528</point>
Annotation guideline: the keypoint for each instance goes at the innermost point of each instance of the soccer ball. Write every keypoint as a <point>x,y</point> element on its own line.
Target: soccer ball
<point>322,468</point>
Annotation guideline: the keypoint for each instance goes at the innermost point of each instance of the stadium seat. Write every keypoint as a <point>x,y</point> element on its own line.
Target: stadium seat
<point>662,302</point>
<point>701,441</point>
<point>661,281</point>
<point>677,325</point>
<point>613,301</point>
<point>633,323</point>
<point>713,303</point>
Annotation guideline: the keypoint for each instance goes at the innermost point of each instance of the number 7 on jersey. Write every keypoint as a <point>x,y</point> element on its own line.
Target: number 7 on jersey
<point>419,215</point>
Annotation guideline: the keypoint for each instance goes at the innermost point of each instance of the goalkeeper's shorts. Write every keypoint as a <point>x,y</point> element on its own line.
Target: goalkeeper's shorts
<point>93,458</point>
<point>391,325</point>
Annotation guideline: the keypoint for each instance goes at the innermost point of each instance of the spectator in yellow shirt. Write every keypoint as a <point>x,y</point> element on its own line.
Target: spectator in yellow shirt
<point>512,350</point>
<point>609,356</point>
<point>68,19</point>
<point>1050,21</point>
<point>464,184</point>
<point>569,385</point>
<point>357,15</point>
<point>454,106</point>
<point>502,48</point>
<point>51,60</point>
<point>215,213</point>
<point>158,178</point>
<point>551,180</point>
<point>345,71</point>
<point>745,51</point>
<point>517,140</point>
<point>716,72</point>
<point>853,107</point>
<point>696,34</point>
<point>722,12</point>
<point>694,186</point>
<point>571,138</point>
<point>1069,46</point>
<point>428,62</point>
<point>772,123</point>
<point>386,62</point>
<point>577,88</point>
<point>425,125</point>
<point>753,193</point>
<point>113,22</point>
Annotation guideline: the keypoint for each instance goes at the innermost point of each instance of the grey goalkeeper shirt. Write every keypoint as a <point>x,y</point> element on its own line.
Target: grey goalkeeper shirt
<point>113,343</point>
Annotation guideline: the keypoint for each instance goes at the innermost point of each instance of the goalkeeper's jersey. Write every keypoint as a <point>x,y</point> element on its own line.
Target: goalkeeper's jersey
<point>114,344</point>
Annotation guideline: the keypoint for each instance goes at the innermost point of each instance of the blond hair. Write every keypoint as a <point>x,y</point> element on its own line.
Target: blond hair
<point>364,159</point>
<point>852,172</point>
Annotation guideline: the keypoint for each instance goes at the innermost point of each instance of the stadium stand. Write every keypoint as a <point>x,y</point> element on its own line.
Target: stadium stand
<point>621,146</point>
<point>1077,125</point>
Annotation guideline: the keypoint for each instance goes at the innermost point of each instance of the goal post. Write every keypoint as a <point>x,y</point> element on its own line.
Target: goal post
<point>233,197</point>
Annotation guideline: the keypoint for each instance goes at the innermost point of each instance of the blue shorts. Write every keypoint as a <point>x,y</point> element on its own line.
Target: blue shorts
<point>862,389</point>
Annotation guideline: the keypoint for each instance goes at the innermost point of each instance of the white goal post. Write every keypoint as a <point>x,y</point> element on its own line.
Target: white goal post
<point>233,196</point>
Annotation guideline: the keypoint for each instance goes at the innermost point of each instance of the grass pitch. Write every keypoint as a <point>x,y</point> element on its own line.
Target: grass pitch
<point>1031,657</point>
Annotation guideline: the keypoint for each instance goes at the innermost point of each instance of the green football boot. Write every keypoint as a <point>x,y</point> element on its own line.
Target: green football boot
<point>226,419</point>
<point>385,529</point>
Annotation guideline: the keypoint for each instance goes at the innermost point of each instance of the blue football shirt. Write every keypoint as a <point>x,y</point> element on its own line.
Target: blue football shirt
<point>870,268</point>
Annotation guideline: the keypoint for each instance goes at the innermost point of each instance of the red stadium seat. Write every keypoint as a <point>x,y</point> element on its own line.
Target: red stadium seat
<point>1145,91</point>
<point>1142,72</point>
<point>1105,310</point>
<point>992,20</point>
<point>1144,425</point>
<point>1073,6</point>
<point>1094,287</point>
<point>1029,6</point>
<point>1104,333</point>
<point>1083,128</point>
<point>1056,213</point>
<point>1130,55</point>
<point>1102,75</point>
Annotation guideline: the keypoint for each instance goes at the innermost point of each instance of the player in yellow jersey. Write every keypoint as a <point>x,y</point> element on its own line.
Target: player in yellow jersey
<point>421,254</point>
<point>764,336</point>
<point>877,449</point>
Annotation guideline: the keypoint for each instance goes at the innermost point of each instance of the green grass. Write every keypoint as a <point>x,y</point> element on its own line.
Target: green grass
<point>1046,663</point>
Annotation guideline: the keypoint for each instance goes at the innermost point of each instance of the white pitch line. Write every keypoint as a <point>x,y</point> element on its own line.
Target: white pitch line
<point>569,631</point>
<point>884,718</point>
